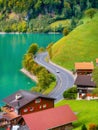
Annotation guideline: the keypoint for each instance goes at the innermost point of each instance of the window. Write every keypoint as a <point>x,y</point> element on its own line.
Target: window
<point>31,108</point>
<point>38,100</point>
<point>44,106</point>
<point>25,110</point>
<point>40,107</point>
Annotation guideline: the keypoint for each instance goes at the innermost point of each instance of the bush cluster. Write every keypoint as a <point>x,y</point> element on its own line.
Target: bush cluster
<point>71,93</point>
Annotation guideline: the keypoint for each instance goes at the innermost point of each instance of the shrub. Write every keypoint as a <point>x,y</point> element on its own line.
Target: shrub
<point>71,93</point>
<point>83,127</point>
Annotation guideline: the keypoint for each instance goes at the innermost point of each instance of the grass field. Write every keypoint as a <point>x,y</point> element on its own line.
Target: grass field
<point>79,46</point>
<point>87,111</point>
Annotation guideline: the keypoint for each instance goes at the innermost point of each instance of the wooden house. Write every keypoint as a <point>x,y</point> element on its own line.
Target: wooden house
<point>21,103</point>
<point>59,118</point>
<point>85,86</point>
<point>84,68</point>
<point>24,102</point>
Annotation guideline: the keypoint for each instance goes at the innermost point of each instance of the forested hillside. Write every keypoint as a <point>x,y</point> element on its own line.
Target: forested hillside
<point>37,15</point>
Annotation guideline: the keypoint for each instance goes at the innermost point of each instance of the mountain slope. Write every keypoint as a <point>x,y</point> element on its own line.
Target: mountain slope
<point>80,45</point>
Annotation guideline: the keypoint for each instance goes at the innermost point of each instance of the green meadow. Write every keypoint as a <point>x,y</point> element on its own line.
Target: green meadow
<point>87,111</point>
<point>81,45</point>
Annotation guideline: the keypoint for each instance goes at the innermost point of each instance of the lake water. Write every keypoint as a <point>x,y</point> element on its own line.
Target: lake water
<point>12,49</point>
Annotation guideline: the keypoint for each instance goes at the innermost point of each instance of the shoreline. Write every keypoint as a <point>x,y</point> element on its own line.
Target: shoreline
<point>28,74</point>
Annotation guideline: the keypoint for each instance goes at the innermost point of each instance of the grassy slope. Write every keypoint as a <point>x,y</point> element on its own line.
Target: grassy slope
<point>80,45</point>
<point>87,111</point>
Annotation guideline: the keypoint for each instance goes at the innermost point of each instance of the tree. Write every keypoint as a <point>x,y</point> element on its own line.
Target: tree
<point>33,48</point>
<point>90,12</point>
<point>65,31</point>
<point>83,127</point>
<point>70,93</point>
<point>95,91</point>
<point>49,49</point>
<point>45,78</point>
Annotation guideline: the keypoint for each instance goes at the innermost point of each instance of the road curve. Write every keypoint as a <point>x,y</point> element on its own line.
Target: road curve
<point>64,78</point>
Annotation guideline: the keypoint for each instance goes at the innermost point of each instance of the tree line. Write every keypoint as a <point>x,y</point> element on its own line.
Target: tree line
<point>45,78</point>
<point>34,14</point>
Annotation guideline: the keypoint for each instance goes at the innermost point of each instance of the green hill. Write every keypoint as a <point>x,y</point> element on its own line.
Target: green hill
<point>79,46</point>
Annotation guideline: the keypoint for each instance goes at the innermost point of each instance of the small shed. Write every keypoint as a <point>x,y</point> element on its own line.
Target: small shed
<point>84,68</point>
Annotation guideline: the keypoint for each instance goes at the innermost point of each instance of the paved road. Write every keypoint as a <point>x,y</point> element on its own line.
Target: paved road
<point>64,78</point>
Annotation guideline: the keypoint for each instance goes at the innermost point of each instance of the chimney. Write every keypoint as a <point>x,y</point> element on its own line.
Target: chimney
<point>18,103</point>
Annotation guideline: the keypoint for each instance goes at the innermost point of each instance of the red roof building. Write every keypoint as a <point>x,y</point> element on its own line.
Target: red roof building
<point>51,119</point>
<point>84,67</point>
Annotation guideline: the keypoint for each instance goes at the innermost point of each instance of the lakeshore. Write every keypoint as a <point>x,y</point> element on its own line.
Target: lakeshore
<point>27,73</point>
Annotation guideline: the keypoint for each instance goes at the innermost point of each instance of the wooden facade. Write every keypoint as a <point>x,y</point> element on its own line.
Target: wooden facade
<point>24,102</point>
<point>84,71</point>
<point>85,86</point>
<point>37,105</point>
<point>21,103</point>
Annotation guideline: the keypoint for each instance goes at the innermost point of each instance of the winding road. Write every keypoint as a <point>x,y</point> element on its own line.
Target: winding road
<point>64,78</point>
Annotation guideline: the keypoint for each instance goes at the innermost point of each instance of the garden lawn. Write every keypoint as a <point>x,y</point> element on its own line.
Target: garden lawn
<point>87,111</point>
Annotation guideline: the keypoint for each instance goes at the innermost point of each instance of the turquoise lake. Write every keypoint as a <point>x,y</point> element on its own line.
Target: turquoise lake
<point>12,49</point>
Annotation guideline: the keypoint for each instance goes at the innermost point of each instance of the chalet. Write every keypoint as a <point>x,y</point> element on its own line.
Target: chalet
<point>84,67</point>
<point>97,62</point>
<point>85,86</point>
<point>24,102</point>
<point>21,103</point>
<point>60,118</point>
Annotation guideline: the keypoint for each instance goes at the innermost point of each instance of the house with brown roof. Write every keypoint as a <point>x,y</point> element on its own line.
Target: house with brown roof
<point>59,118</point>
<point>84,68</point>
<point>85,86</point>
<point>21,103</point>
<point>24,102</point>
<point>96,61</point>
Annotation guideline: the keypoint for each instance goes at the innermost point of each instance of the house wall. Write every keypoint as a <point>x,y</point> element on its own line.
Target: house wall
<point>79,71</point>
<point>37,105</point>
<point>63,127</point>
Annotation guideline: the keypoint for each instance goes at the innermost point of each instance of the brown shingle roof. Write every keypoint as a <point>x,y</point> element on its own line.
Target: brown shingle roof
<point>10,116</point>
<point>50,118</point>
<point>84,65</point>
<point>26,97</point>
<point>84,80</point>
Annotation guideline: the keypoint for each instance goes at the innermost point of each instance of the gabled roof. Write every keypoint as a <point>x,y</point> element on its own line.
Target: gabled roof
<point>50,118</point>
<point>84,65</point>
<point>10,116</point>
<point>25,98</point>
<point>84,80</point>
<point>96,60</point>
